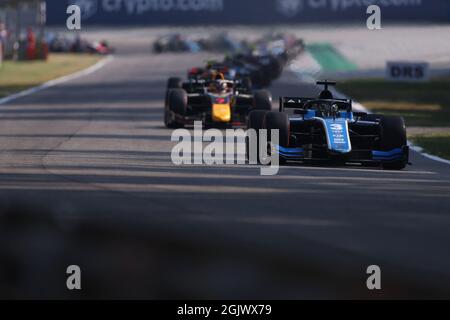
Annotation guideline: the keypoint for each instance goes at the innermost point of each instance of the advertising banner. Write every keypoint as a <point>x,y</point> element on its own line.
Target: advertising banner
<point>219,12</point>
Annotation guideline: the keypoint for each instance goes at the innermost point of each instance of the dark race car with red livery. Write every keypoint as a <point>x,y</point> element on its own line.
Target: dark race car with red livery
<point>217,102</point>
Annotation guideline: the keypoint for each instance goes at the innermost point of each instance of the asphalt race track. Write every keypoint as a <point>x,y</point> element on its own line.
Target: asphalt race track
<point>86,178</point>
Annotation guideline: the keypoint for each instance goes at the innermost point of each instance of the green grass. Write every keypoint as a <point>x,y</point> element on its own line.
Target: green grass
<point>18,76</point>
<point>421,104</point>
<point>329,58</point>
<point>425,105</point>
<point>437,144</point>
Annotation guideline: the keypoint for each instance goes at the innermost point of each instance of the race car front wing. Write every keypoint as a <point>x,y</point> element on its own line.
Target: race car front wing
<point>357,156</point>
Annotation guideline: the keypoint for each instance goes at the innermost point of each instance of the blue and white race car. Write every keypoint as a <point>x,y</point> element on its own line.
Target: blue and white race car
<point>327,129</point>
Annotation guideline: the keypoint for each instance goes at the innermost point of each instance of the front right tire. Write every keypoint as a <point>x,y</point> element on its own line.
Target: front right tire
<point>255,121</point>
<point>278,121</point>
<point>393,136</point>
<point>176,103</point>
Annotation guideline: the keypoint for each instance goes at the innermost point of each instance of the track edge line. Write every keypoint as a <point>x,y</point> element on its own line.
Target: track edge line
<point>51,83</point>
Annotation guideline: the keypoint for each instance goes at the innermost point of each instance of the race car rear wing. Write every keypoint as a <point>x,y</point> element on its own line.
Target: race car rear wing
<point>299,103</point>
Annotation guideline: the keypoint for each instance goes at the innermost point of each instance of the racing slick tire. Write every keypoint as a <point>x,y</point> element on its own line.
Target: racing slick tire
<point>278,121</point>
<point>276,67</point>
<point>176,103</point>
<point>174,83</point>
<point>372,117</point>
<point>258,79</point>
<point>255,121</point>
<point>393,136</point>
<point>262,100</point>
<point>247,84</point>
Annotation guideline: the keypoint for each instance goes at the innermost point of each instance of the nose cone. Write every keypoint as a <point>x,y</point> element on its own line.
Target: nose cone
<point>221,113</point>
<point>337,134</point>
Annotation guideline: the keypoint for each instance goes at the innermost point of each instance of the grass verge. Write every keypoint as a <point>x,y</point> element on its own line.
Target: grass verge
<point>18,76</point>
<point>437,144</point>
<point>424,106</point>
<point>329,58</point>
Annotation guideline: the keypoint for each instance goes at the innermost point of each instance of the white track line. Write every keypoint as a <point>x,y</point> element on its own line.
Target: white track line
<point>427,155</point>
<point>57,81</point>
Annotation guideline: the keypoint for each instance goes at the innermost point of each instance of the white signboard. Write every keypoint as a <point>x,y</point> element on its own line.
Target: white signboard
<point>407,71</point>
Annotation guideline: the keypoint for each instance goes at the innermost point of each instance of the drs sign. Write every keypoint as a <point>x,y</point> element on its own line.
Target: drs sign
<point>407,71</point>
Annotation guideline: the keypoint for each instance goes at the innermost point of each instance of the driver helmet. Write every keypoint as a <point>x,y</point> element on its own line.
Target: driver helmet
<point>334,108</point>
<point>220,86</point>
<point>326,94</point>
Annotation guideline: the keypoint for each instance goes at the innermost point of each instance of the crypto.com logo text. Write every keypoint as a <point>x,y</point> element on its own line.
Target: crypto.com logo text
<point>289,8</point>
<point>88,7</point>
<point>293,8</point>
<point>225,149</point>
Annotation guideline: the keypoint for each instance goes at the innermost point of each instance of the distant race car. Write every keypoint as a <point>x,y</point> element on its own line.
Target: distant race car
<point>218,102</point>
<point>175,43</point>
<point>327,129</point>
